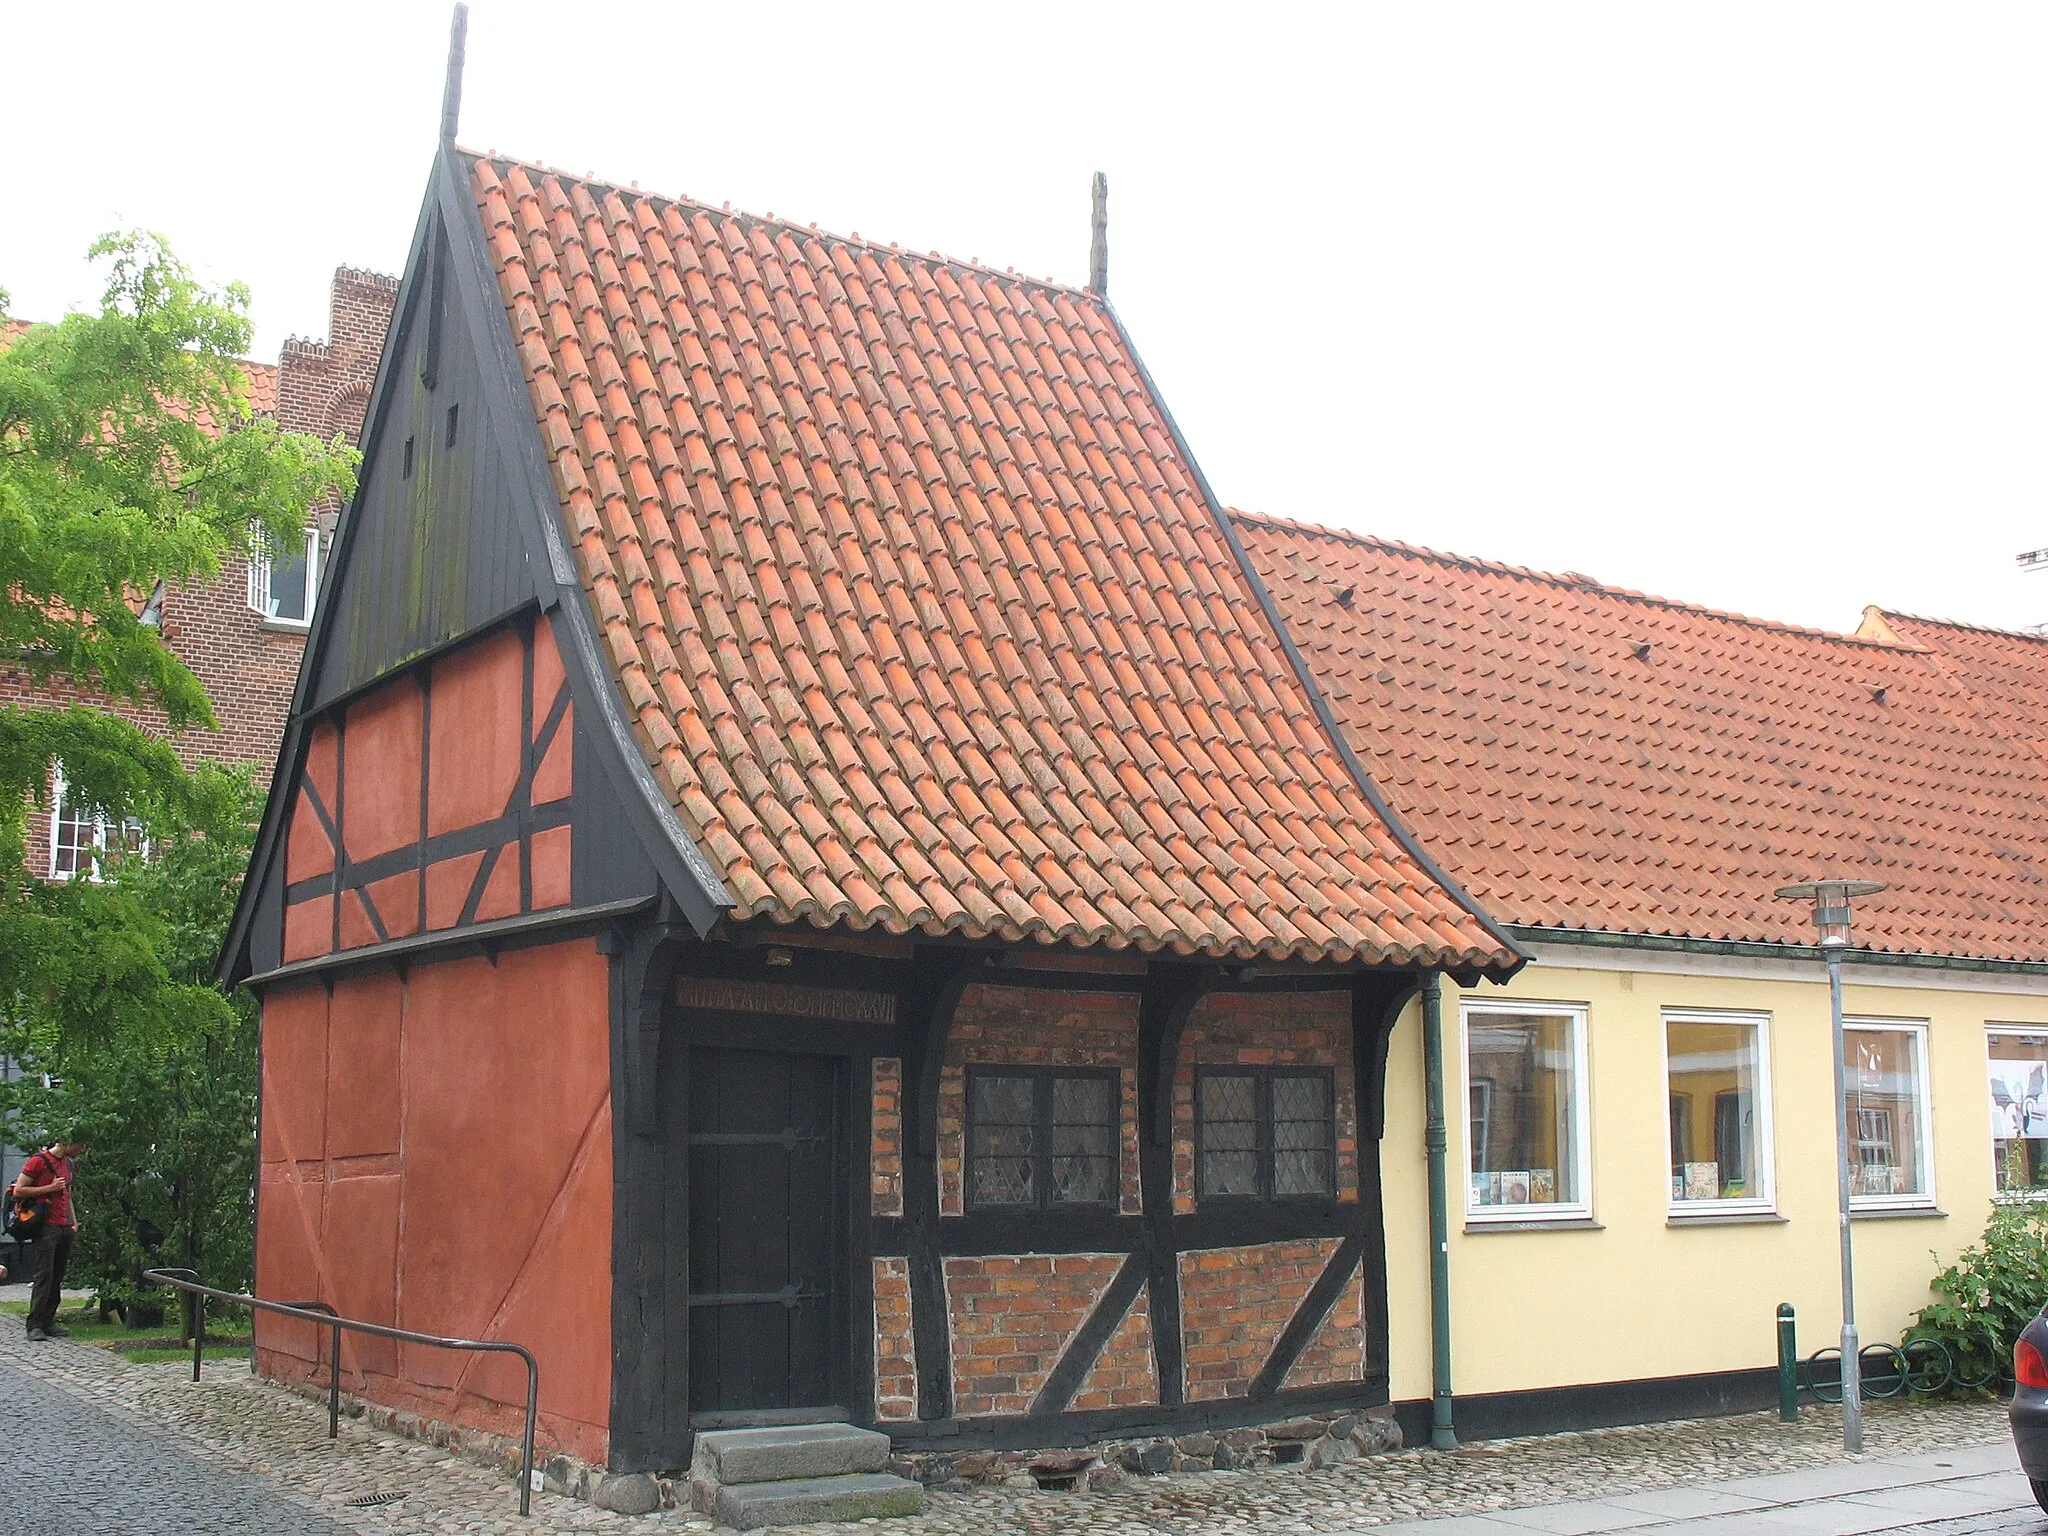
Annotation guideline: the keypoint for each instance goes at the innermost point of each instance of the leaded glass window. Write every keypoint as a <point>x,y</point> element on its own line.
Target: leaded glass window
<point>1039,1138</point>
<point>1265,1132</point>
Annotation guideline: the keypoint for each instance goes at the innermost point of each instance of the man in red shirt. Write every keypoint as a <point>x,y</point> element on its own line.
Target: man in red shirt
<point>47,1177</point>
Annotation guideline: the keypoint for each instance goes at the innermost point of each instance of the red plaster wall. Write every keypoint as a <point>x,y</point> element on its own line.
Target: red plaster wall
<point>437,1152</point>
<point>462,733</point>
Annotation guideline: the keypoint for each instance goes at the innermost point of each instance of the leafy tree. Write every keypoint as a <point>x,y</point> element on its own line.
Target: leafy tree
<point>129,457</point>
<point>163,1083</point>
<point>131,462</point>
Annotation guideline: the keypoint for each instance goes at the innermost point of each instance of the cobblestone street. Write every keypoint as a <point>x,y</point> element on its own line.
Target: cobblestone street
<point>143,1451</point>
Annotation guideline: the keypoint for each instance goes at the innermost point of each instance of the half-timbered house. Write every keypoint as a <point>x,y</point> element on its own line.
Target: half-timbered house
<point>805,879</point>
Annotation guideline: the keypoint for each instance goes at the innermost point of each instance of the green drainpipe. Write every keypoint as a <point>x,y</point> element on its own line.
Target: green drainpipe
<point>1441,1436</point>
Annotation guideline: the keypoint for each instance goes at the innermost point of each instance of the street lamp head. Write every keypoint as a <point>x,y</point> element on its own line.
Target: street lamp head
<point>1831,903</point>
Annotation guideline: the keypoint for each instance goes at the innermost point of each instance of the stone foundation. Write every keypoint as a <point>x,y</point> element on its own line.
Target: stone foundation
<point>1314,1440</point>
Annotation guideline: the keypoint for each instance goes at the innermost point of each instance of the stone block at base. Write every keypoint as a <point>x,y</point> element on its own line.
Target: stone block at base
<point>774,1455</point>
<point>804,1500</point>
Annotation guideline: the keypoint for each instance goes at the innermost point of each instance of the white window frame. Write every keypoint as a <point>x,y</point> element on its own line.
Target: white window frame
<point>1765,1201</point>
<point>1923,1112</point>
<point>259,583</point>
<point>102,833</point>
<point>1580,1209</point>
<point>2006,1027</point>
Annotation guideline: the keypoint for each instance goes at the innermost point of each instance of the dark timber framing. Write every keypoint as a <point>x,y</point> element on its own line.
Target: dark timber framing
<point>661,915</point>
<point>653,952</point>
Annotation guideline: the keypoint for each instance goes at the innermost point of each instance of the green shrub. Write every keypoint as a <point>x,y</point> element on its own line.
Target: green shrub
<point>1989,1294</point>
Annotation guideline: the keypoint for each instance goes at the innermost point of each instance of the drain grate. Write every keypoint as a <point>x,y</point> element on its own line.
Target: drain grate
<point>372,1500</point>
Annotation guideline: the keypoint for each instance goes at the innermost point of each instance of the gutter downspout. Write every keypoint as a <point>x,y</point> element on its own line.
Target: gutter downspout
<point>1442,1436</point>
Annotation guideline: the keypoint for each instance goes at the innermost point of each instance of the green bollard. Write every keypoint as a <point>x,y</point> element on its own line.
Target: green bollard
<point>1788,1366</point>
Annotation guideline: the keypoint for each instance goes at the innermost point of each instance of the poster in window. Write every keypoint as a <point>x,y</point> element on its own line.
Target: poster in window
<point>1702,1181</point>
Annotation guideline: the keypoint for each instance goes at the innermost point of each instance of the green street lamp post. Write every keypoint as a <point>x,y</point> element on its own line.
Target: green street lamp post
<point>1831,901</point>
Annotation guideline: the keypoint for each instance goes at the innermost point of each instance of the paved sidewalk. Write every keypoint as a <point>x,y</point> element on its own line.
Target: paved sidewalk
<point>1869,1495</point>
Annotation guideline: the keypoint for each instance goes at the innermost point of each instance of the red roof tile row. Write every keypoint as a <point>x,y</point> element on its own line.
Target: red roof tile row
<point>1583,757</point>
<point>920,613</point>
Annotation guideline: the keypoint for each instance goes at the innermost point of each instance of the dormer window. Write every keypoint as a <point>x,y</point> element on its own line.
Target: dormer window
<point>282,588</point>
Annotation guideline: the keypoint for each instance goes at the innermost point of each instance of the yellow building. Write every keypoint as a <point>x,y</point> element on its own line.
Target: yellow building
<point>1641,1124</point>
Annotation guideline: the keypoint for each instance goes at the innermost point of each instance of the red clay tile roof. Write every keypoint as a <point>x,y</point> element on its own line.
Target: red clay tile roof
<point>1582,757</point>
<point>262,387</point>
<point>922,618</point>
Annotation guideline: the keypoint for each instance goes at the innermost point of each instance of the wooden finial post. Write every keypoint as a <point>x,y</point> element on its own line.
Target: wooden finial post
<point>1098,239</point>
<point>451,93</point>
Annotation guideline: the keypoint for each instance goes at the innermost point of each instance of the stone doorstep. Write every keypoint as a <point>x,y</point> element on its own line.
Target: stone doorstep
<point>730,1456</point>
<point>806,1500</point>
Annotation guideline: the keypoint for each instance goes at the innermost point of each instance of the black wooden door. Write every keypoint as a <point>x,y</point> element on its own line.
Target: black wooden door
<point>767,1231</point>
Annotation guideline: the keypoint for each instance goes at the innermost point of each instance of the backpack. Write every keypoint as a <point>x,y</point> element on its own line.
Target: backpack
<point>25,1218</point>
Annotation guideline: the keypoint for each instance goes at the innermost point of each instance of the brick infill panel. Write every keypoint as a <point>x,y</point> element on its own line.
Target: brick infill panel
<point>895,1342</point>
<point>1234,1302</point>
<point>1013,1316</point>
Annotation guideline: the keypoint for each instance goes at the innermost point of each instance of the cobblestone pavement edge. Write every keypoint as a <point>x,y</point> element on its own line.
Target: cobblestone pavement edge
<point>234,1420</point>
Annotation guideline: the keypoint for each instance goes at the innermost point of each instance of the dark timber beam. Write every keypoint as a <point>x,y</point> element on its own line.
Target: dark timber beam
<point>1090,1339</point>
<point>1170,995</point>
<point>650,1191</point>
<point>925,1005</point>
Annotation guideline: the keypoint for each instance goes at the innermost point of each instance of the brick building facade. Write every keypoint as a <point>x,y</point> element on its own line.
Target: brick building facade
<point>248,663</point>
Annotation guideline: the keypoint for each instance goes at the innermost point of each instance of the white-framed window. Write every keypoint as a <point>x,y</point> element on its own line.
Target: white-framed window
<point>283,588</point>
<point>81,841</point>
<point>2017,1061</point>
<point>1891,1132</point>
<point>1526,1123</point>
<point>1717,1071</point>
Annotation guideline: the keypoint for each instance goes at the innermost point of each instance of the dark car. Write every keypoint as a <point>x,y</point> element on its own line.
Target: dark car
<point>2029,1410</point>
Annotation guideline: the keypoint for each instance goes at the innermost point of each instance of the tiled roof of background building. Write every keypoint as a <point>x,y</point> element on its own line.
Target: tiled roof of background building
<point>1583,757</point>
<point>921,615</point>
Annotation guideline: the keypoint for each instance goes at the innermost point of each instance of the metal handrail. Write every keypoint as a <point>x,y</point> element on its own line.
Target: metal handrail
<point>319,1313</point>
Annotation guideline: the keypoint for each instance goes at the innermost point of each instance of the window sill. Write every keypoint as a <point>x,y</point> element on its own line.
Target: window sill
<point>1724,1219</point>
<point>284,626</point>
<point>1897,1213</point>
<point>1536,1224</point>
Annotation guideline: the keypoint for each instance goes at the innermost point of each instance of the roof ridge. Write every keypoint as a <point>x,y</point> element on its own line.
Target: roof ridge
<point>727,211</point>
<point>1574,580</point>
<point>1891,614</point>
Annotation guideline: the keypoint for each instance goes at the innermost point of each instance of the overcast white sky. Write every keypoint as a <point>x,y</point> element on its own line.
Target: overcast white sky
<point>1742,303</point>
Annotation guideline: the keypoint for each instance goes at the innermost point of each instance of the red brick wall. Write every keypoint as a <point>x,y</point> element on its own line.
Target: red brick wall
<point>1125,1375</point>
<point>1233,1304</point>
<point>885,1172</point>
<point>1012,1317</point>
<point>247,664</point>
<point>1337,1352</point>
<point>1021,1027</point>
<point>895,1345</point>
<point>1292,1029</point>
